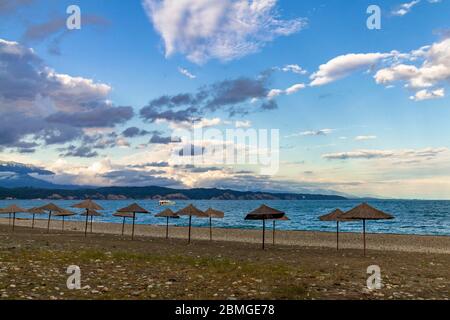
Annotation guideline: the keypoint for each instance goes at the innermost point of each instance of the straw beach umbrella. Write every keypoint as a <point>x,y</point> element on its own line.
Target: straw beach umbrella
<point>168,214</point>
<point>335,215</point>
<point>88,205</point>
<point>366,212</point>
<point>190,211</point>
<point>51,208</point>
<point>63,215</point>
<point>13,209</point>
<point>264,213</point>
<point>285,218</point>
<point>123,215</point>
<point>34,212</point>
<point>133,208</point>
<point>216,214</point>
<point>2,211</point>
<point>91,213</point>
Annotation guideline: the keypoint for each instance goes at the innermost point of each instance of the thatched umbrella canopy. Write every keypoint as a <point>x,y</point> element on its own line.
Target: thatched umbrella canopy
<point>13,209</point>
<point>335,215</point>
<point>91,213</point>
<point>365,212</point>
<point>284,218</point>
<point>2,211</point>
<point>88,205</point>
<point>51,208</point>
<point>168,214</point>
<point>216,214</point>
<point>123,215</point>
<point>190,211</point>
<point>264,213</point>
<point>133,208</point>
<point>34,212</point>
<point>63,215</point>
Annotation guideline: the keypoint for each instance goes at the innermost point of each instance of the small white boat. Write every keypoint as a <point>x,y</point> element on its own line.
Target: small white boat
<point>166,203</point>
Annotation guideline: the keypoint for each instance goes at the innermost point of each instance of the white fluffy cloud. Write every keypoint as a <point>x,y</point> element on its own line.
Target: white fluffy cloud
<point>291,90</point>
<point>295,88</point>
<point>410,154</point>
<point>363,138</point>
<point>405,8</point>
<point>342,66</point>
<point>243,124</point>
<point>186,73</point>
<point>427,95</point>
<point>321,132</point>
<point>217,29</point>
<point>294,68</point>
<point>434,71</point>
<point>425,68</point>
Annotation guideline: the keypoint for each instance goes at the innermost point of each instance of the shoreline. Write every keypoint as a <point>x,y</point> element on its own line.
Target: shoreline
<point>375,241</point>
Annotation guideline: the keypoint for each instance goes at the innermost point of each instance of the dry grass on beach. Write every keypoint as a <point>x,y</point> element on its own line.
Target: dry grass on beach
<point>33,266</point>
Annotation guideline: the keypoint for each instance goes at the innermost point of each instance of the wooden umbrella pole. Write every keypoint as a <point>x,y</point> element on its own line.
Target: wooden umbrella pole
<point>86,225</point>
<point>264,233</point>
<point>273,233</point>
<point>190,223</point>
<point>123,225</point>
<point>337,235</point>
<point>32,223</point>
<point>364,235</point>
<point>63,223</point>
<point>14,220</point>
<point>132,232</point>
<point>92,220</point>
<point>210,229</point>
<point>48,222</point>
<point>9,218</point>
<point>167,228</point>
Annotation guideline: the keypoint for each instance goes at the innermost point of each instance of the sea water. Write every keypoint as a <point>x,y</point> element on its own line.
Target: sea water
<point>411,216</point>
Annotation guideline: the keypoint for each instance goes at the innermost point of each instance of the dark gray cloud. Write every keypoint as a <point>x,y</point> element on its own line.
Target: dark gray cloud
<point>56,31</point>
<point>204,169</point>
<point>10,6</point>
<point>228,96</point>
<point>139,178</point>
<point>26,150</point>
<point>158,139</point>
<point>191,150</point>
<point>151,114</point>
<point>55,25</point>
<point>162,164</point>
<point>99,117</point>
<point>136,132</point>
<point>80,152</point>
<point>269,105</point>
<point>38,103</point>
<point>234,92</point>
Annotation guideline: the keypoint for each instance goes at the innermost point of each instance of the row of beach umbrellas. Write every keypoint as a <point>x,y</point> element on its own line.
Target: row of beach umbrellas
<point>91,210</point>
<point>362,212</point>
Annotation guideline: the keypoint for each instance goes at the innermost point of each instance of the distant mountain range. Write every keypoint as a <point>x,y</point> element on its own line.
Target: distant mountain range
<point>17,181</point>
<point>154,193</point>
<point>18,175</point>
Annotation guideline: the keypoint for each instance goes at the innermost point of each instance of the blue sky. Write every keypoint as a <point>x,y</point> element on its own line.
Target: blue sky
<point>361,112</point>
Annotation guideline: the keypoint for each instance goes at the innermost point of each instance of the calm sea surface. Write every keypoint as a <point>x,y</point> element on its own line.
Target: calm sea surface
<point>411,217</point>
